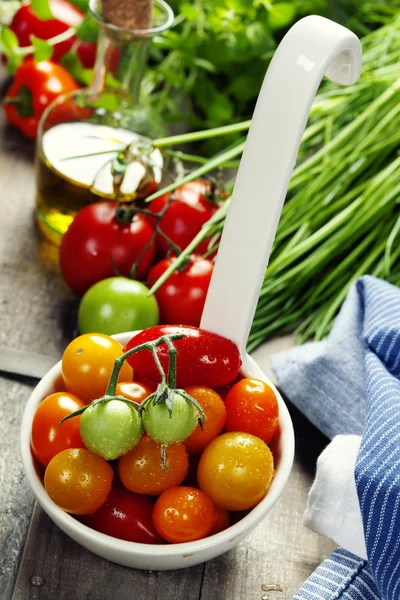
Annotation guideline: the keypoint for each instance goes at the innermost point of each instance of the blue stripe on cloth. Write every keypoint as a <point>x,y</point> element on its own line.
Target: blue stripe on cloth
<point>377,472</point>
<point>341,576</point>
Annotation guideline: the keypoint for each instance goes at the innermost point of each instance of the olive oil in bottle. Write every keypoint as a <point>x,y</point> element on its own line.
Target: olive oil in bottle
<point>75,167</point>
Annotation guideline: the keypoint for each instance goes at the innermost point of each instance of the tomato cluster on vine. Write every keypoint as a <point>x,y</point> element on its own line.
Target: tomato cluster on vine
<point>161,441</point>
<point>123,250</point>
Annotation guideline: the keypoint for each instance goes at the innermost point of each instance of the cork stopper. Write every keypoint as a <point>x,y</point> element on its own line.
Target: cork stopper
<point>129,14</point>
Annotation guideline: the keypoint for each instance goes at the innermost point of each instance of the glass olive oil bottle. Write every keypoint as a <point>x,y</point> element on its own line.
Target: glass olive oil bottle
<point>95,143</point>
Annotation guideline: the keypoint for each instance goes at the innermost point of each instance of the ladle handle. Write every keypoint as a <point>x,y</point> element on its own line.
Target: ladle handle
<point>313,47</point>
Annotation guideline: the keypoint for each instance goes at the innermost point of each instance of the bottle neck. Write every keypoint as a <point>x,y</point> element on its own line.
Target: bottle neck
<point>120,64</point>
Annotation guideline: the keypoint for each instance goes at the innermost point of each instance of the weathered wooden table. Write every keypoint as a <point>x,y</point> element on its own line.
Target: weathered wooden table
<point>37,561</point>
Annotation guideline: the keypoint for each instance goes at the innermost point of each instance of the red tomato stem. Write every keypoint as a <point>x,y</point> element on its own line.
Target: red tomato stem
<point>124,216</point>
<point>132,272</point>
<point>175,249</point>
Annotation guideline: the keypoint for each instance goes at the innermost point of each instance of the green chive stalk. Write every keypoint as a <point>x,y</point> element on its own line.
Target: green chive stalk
<point>341,218</point>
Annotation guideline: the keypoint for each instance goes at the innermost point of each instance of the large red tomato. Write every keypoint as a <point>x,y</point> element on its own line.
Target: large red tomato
<point>192,206</point>
<point>25,23</point>
<point>181,298</point>
<point>203,357</point>
<point>96,244</point>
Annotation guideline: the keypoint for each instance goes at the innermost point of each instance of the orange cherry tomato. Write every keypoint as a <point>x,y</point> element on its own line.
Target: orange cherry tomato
<point>215,412</point>
<point>48,438</point>
<point>140,470</point>
<point>222,520</point>
<point>78,481</point>
<point>252,407</point>
<point>87,364</point>
<point>236,470</point>
<point>183,514</point>
<point>133,390</point>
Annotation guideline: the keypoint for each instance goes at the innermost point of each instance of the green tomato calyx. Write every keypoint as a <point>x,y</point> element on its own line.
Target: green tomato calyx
<point>166,390</point>
<point>166,395</point>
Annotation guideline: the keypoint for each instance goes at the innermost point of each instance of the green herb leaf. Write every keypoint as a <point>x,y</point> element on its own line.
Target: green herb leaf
<point>215,104</point>
<point>43,49</point>
<point>73,65</point>
<point>281,15</point>
<point>41,8</point>
<point>13,63</point>
<point>9,47</point>
<point>8,41</point>
<point>190,12</point>
<point>204,64</point>
<point>88,30</point>
<point>83,5</point>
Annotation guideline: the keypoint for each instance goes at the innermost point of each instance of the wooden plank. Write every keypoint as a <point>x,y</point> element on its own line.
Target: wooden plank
<point>16,499</point>
<point>68,571</point>
<point>35,315</point>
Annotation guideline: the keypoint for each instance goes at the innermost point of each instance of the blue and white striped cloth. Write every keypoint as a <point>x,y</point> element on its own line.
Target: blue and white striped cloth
<point>368,331</point>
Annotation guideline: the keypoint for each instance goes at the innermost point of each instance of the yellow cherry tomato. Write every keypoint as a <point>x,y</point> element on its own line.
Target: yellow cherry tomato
<point>78,481</point>
<point>236,470</point>
<point>87,364</point>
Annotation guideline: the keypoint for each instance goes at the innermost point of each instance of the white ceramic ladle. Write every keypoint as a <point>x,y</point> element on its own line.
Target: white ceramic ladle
<point>312,47</point>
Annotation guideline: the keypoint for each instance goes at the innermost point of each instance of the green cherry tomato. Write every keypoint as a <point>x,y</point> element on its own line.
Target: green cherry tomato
<point>116,305</point>
<point>170,428</point>
<point>110,429</point>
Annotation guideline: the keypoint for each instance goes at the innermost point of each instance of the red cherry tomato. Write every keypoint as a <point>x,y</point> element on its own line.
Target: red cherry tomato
<point>252,407</point>
<point>222,520</point>
<point>203,358</point>
<point>48,438</point>
<point>125,516</point>
<point>192,206</point>
<point>97,242</point>
<point>25,23</point>
<point>35,86</point>
<point>87,51</point>
<point>183,514</point>
<point>181,298</point>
